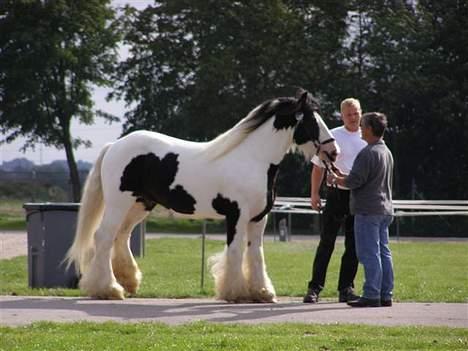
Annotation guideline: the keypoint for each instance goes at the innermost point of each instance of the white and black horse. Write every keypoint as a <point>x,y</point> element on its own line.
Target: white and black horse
<point>231,177</point>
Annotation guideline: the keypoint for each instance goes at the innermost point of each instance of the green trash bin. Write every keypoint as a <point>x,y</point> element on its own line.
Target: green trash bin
<point>50,233</point>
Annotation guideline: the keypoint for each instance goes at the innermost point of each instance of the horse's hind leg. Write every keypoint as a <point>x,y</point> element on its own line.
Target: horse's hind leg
<point>98,280</point>
<point>124,265</point>
<point>260,287</point>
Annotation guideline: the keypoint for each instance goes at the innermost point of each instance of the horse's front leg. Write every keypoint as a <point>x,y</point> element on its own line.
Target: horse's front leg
<point>226,266</point>
<point>259,284</point>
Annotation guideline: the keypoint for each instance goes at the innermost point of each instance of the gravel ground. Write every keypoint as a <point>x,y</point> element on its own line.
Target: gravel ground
<point>13,244</point>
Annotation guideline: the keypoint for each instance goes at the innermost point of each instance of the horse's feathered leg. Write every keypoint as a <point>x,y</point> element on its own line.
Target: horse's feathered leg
<point>226,266</point>
<point>98,280</point>
<point>124,265</point>
<point>260,287</point>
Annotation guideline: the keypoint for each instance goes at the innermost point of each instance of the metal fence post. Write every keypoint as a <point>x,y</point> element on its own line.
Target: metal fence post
<point>202,282</point>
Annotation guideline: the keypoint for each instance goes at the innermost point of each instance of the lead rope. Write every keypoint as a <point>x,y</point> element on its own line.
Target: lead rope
<point>320,211</point>
<point>327,169</point>
<point>334,186</point>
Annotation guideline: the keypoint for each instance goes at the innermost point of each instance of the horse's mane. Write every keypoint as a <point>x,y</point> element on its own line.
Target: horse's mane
<point>228,140</point>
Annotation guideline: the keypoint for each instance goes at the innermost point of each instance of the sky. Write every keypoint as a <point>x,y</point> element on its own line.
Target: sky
<point>99,133</point>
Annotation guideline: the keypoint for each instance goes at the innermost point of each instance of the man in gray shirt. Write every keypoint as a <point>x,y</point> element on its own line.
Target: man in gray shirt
<point>370,181</point>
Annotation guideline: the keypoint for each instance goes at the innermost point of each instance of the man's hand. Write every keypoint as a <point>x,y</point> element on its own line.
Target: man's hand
<point>334,179</point>
<point>338,172</point>
<point>315,202</point>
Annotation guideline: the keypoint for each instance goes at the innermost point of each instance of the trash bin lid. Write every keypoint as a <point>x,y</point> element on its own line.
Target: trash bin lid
<point>51,206</point>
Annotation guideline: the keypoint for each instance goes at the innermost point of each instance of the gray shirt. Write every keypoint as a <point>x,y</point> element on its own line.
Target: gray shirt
<point>370,181</point>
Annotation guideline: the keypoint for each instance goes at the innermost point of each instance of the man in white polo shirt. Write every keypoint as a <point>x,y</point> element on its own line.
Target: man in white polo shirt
<point>336,212</point>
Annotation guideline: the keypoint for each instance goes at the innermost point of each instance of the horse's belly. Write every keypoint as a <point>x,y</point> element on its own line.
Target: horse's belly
<point>197,215</point>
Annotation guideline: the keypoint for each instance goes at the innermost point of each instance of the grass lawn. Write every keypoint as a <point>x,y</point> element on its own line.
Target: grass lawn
<point>209,336</point>
<point>13,217</point>
<point>424,271</point>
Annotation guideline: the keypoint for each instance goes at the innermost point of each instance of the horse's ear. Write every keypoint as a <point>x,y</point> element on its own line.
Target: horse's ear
<point>300,91</point>
<point>302,100</point>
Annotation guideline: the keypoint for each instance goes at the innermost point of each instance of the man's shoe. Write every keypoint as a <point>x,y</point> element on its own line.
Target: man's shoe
<point>386,303</point>
<point>363,302</point>
<point>312,296</point>
<point>347,295</point>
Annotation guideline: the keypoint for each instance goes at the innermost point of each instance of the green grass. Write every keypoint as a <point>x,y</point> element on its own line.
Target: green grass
<point>13,217</point>
<point>169,225</point>
<point>209,336</point>
<point>12,223</point>
<point>424,271</point>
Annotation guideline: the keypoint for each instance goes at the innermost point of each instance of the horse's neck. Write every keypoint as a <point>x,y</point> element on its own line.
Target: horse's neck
<point>266,144</point>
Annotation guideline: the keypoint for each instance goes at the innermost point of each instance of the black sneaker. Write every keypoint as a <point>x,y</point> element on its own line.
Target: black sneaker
<point>347,295</point>
<point>363,302</point>
<point>312,296</point>
<point>386,303</point>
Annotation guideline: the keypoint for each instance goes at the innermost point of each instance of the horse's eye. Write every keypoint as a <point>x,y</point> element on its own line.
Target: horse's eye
<point>299,116</point>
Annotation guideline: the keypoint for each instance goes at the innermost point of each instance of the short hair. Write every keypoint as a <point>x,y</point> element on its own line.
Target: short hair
<point>350,102</point>
<point>377,121</point>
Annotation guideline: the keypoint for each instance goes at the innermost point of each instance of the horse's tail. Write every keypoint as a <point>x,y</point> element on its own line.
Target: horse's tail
<point>89,217</point>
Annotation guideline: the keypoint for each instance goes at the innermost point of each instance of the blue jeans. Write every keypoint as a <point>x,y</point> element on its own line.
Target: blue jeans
<point>371,235</point>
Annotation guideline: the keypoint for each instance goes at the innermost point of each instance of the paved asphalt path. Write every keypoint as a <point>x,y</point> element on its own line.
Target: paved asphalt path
<point>19,310</point>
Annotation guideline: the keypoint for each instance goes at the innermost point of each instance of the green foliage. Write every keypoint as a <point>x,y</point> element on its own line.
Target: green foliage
<point>196,68</point>
<point>159,224</point>
<point>12,223</point>
<point>51,53</point>
<point>408,61</point>
<point>216,336</point>
<point>293,177</point>
<point>31,191</point>
<point>171,268</point>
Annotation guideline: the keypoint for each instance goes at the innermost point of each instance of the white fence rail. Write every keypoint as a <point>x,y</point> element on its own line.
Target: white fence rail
<point>301,205</point>
<point>403,208</point>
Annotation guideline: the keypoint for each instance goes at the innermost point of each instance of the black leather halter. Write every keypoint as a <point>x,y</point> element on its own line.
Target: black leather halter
<point>329,166</point>
<point>318,145</point>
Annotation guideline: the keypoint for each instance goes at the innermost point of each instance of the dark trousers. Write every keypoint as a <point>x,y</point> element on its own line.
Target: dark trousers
<point>335,214</point>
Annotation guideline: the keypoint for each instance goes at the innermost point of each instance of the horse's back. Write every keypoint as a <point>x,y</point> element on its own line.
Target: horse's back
<point>178,174</point>
<point>150,165</point>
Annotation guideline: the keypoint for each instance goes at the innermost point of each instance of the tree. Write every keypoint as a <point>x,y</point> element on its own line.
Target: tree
<point>196,68</point>
<point>407,61</point>
<point>52,51</point>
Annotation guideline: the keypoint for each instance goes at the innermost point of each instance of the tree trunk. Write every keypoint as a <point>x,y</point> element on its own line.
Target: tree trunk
<point>73,169</point>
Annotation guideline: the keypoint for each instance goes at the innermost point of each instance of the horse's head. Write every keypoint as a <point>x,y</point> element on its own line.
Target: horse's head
<point>311,134</point>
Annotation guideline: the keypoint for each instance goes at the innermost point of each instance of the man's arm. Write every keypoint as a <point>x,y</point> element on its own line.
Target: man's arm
<point>356,178</point>
<point>334,178</point>
<point>316,177</point>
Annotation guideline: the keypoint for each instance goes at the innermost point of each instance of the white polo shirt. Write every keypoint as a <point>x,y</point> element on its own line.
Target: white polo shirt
<point>350,144</point>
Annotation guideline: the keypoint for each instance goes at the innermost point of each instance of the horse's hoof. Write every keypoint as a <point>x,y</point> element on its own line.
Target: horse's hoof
<point>263,296</point>
<point>114,293</point>
<point>130,282</point>
<point>130,288</point>
<point>266,296</point>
